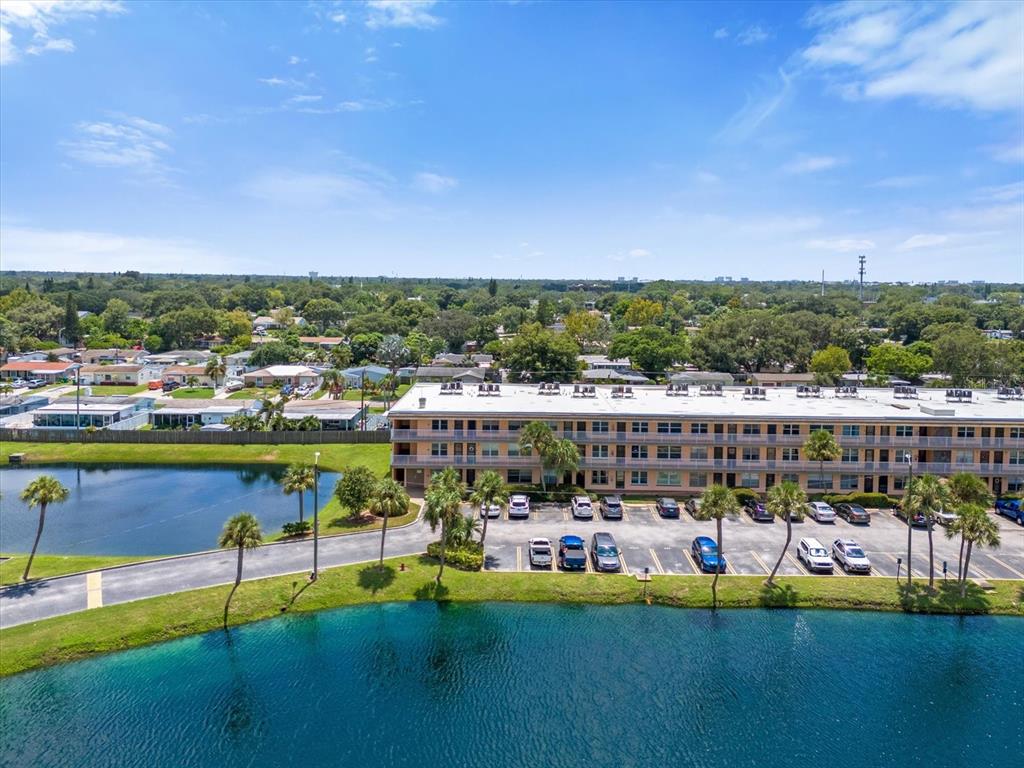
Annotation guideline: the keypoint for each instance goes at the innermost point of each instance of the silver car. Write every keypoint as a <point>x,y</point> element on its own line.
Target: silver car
<point>821,512</point>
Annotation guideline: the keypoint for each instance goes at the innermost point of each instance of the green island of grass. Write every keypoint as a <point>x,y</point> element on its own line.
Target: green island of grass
<point>48,566</point>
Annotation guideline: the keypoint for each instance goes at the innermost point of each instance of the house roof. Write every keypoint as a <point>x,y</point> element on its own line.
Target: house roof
<point>116,368</point>
<point>794,377</point>
<point>283,370</point>
<point>188,370</point>
<point>608,374</point>
<point>321,339</point>
<point>42,366</point>
<point>450,371</point>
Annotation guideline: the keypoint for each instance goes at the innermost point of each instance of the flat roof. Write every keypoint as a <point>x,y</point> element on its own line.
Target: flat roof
<point>525,401</point>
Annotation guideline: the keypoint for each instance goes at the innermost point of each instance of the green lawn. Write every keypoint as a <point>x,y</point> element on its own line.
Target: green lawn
<point>333,456</point>
<point>333,519</point>
<point>45,566</point>
<point>192,393</point>
<point>149,621</point>
<point>354,394</point>
<point>248,393</point>
<point>111,389</point>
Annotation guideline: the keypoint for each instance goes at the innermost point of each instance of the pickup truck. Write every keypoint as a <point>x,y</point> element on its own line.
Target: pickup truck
<point>1011,508</point>
<point>540,553</point>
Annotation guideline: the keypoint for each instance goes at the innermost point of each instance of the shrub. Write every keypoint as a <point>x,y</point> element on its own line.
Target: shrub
<point>868,500</point>
<point>559,494</point>
<point>743,494</point>
<point>469,557</point>
<point>298,528</point>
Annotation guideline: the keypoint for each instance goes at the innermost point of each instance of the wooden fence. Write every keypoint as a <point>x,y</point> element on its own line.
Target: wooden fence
<point>185,437</point>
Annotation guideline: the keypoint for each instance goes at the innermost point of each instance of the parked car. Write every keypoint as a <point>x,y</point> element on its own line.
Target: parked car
<point>155,384</point>
<point>571,554</point>
<point>1011,508</point>
<point>853,513</point>
<point>540,553</point>
<point>490,510</point>
<point>919,520</point>
<point>704,551</point>
<point>667,507</point>
<point>611,507</point>
<point>821,512</point>
<point>234,385</point>
<point>945,517</point>
<point>604,553</point>
<point>17,383</point>
<point>813,555</point>
<point>170,386</point>
<point>693,506</point>
<point>850,556</point>
<point>519,505</point>
<point>287,389</point>
<point>582,509</point>
<point>35,383</point>
<point>758,511</point>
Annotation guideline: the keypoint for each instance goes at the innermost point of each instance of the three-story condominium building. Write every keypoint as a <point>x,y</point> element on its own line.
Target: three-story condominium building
<point>679,439</point>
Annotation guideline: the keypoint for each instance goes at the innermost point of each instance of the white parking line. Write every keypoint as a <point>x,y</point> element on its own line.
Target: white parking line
<point>689,562</point>
<point>622,560</point>
<point>760,562</point>
<point>625,514</point>
<point>979,572</point>
<point>657,562</point>
<point>519,558</point>
<point>1008,567</point>
<point>798,564</point>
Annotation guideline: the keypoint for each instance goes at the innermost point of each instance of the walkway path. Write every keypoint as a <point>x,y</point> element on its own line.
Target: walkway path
<point>67,594</point>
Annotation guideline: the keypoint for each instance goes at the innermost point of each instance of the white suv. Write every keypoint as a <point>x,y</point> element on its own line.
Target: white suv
<point>812,553</point>
<point>821,512</point>
<point>850,556</point>
<point>582,509</point>
<point>519,505</point>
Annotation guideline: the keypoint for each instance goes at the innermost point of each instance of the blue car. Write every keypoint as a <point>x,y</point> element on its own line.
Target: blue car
<point>1011,508</point>
<point>572,555</point>
<point>704,551</point>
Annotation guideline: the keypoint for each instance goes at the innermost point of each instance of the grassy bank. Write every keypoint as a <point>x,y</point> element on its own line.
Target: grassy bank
<point>333,520</point>
<point>148,621</point>
<point>47,566</point>
<point>333,456</point>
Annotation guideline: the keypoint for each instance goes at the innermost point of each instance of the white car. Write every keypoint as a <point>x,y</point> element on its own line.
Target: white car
<point>812,553</point>
<point>821,512</point>
<point>519,505</point>
<point>582,509</point>
<point>490,510</point>
<point>944,517</point>
<point>850,556</point>
<point>540,553</point>
<point>233,385</point>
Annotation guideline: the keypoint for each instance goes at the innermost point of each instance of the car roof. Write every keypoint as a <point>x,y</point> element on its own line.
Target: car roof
<point>847,542</point>
<point>520,497</point>
<point>705,540</point>
<point>818,503</point>
<point>571,539</point>
<point>667,500</point>
<point>541,541</point>
<point>604,536</point>
<point>613,497</point>
<point>582,498</point>
<point>810,541</point>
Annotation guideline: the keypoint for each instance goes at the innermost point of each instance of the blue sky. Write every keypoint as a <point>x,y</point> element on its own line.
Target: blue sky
<point>514,139</point>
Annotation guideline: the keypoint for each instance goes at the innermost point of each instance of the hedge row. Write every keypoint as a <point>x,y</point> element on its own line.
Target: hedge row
<point>466,558</point>
<point>559,494</point>
<point>868,500</point>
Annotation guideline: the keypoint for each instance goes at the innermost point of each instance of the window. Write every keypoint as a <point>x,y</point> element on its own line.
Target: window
<point>670,452</point>
<point>791,429</point>
<point>639,427</point>
<point>599,451</point>
<point>599,427</point>
<point>770,454</point>
<point>638,451</point>
<point>751,454</point>
<point>439,425</point>
<point>851,430</point>
<point>699,453</point>
<point>1016,433</point>
<point>512,449</point>
<point>904,430</point>
<point>965,457</point>
<point>751,429</point>
<point>670,427</point>
<point>790,477</point>
<point>850,455</point>
<point>669,478</point>
<point>698,479</point>
<point>899,482</point>
<point>490,425</point>
<point>966,432</point>
<point>730,429</point>
<point>599,477</point>
<point>772,428</point>
<point>816,482</point>
<point>750,480</point>
<point>848,482</point>
<point>638,477</point>
<point>1015,484</point>
<point>515,426</point>
<point>489,450</point>
<point>581,426</point>
<point>822,428</point>
<point>520,476</point>
<point>439,449</point>
<point>791,454</point>
<point>1017,456</point>
<point>699,428</point>
<point>903,456</point>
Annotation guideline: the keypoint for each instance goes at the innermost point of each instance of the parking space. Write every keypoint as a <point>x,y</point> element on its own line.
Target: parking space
<point>662,545</point>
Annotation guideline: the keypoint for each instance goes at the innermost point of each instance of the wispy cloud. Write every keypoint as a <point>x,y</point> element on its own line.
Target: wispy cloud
<point>899,182</point>
<point>316,191</point>
<point>434,183</point>
<point>370,55</point>
<point>812,164</point>
<point>351,105</point>
<point>842,244</point>
<point>721,33</point>
<point>38,17</point>
<point>401,13</point>
<point>129,142</point>
<point>752,35</point>
<point>631,255</point>
<point>706,177</point>
<point>964,54</point>
<point>759,107</point>
<point>922,241</point>
<point>1011,152</point>
<point>283,82</point>
<point>293,60</point>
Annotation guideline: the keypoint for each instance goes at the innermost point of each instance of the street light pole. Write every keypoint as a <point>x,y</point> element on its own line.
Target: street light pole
<point>78,398</point>
<point>316,510</point>
<point>908,512</point>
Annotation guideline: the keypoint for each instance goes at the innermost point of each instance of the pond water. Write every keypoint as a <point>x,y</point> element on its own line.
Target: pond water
<point>501,685</point>
<point>151,510</point>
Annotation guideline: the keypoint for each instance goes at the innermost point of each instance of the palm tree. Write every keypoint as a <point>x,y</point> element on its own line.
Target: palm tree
<point>785,501</point>
<point>537,438</point>
<point>976,526</point>
<point>299,478</point>
<point>563,456</point>
<point>442,503</point>
<point>333,382</point>
<point>392,352</point>
<point>490,489</point>
<point>341,356</point>
<point>389,500</point>
<point>926,495</point>
<point>821,446</point>
<point>191,382</point>
<point>241,531</point>
<point>216,368</point>
<point>271,409</point>
<point>965,489</point>
<point>309,423</point>
<point>43,491</point>
<point>718,502</point>
<point>462,529</point>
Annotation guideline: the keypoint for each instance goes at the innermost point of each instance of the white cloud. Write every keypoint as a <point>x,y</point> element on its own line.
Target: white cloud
<point>434,183</point>
<point>706,177</point>
<point>965,54</point>
<point>304,98</point>
<point>37,17</point>
<point>370,55</point>
<point>338,17</point>
<point>293,60</point>
<point>752,35</point>
<point>899,182</point>
<point>812,164</point>
<point>721,33</point>
<point>315,191</point>
<point>1008,153</point>
<point>922,241</point>
<point>131,142</point>
<point>78,250</point>
<point>630,255</point>
<point>282,82</point>
<point>401,13</point>
<point>352,105</point>
<point>639,253</point>
<point>842,244</point>
<point>757,109</point>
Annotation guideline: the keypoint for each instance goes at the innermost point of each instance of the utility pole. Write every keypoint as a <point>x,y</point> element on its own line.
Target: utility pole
<point>823,282</point>
<point>862,258</point>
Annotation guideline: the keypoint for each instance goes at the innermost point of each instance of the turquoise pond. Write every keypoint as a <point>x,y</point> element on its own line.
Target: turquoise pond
<point>514,685</point>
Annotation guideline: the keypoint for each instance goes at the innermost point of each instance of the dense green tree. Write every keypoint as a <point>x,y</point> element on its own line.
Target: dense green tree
<point>541,355</point>
<point>115,316</point>
<point>442,507</point>
<point>355,489</point>
<point>896,360</point>
<point>489,490</point>
<point>71,333</point>
<point>650,349</point>
<point>323,313</point>
<point>36,317</point>
<point>273,353</point>
<point>829,364</point>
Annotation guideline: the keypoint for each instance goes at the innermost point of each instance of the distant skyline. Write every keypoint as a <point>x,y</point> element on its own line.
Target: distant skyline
<point>534,140</point>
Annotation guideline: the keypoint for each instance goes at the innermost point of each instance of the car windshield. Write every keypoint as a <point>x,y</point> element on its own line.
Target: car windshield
<point>818,552</point>
<point>612,504</point>
<point>582,503</point>
<point>854,552</point>
<point>574,545</point>
<point>607,550</point>
<point>709,549</point>
<point>541,549</point>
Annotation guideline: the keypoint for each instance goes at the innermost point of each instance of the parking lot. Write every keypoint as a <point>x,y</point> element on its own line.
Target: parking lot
<point>663,545</point>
